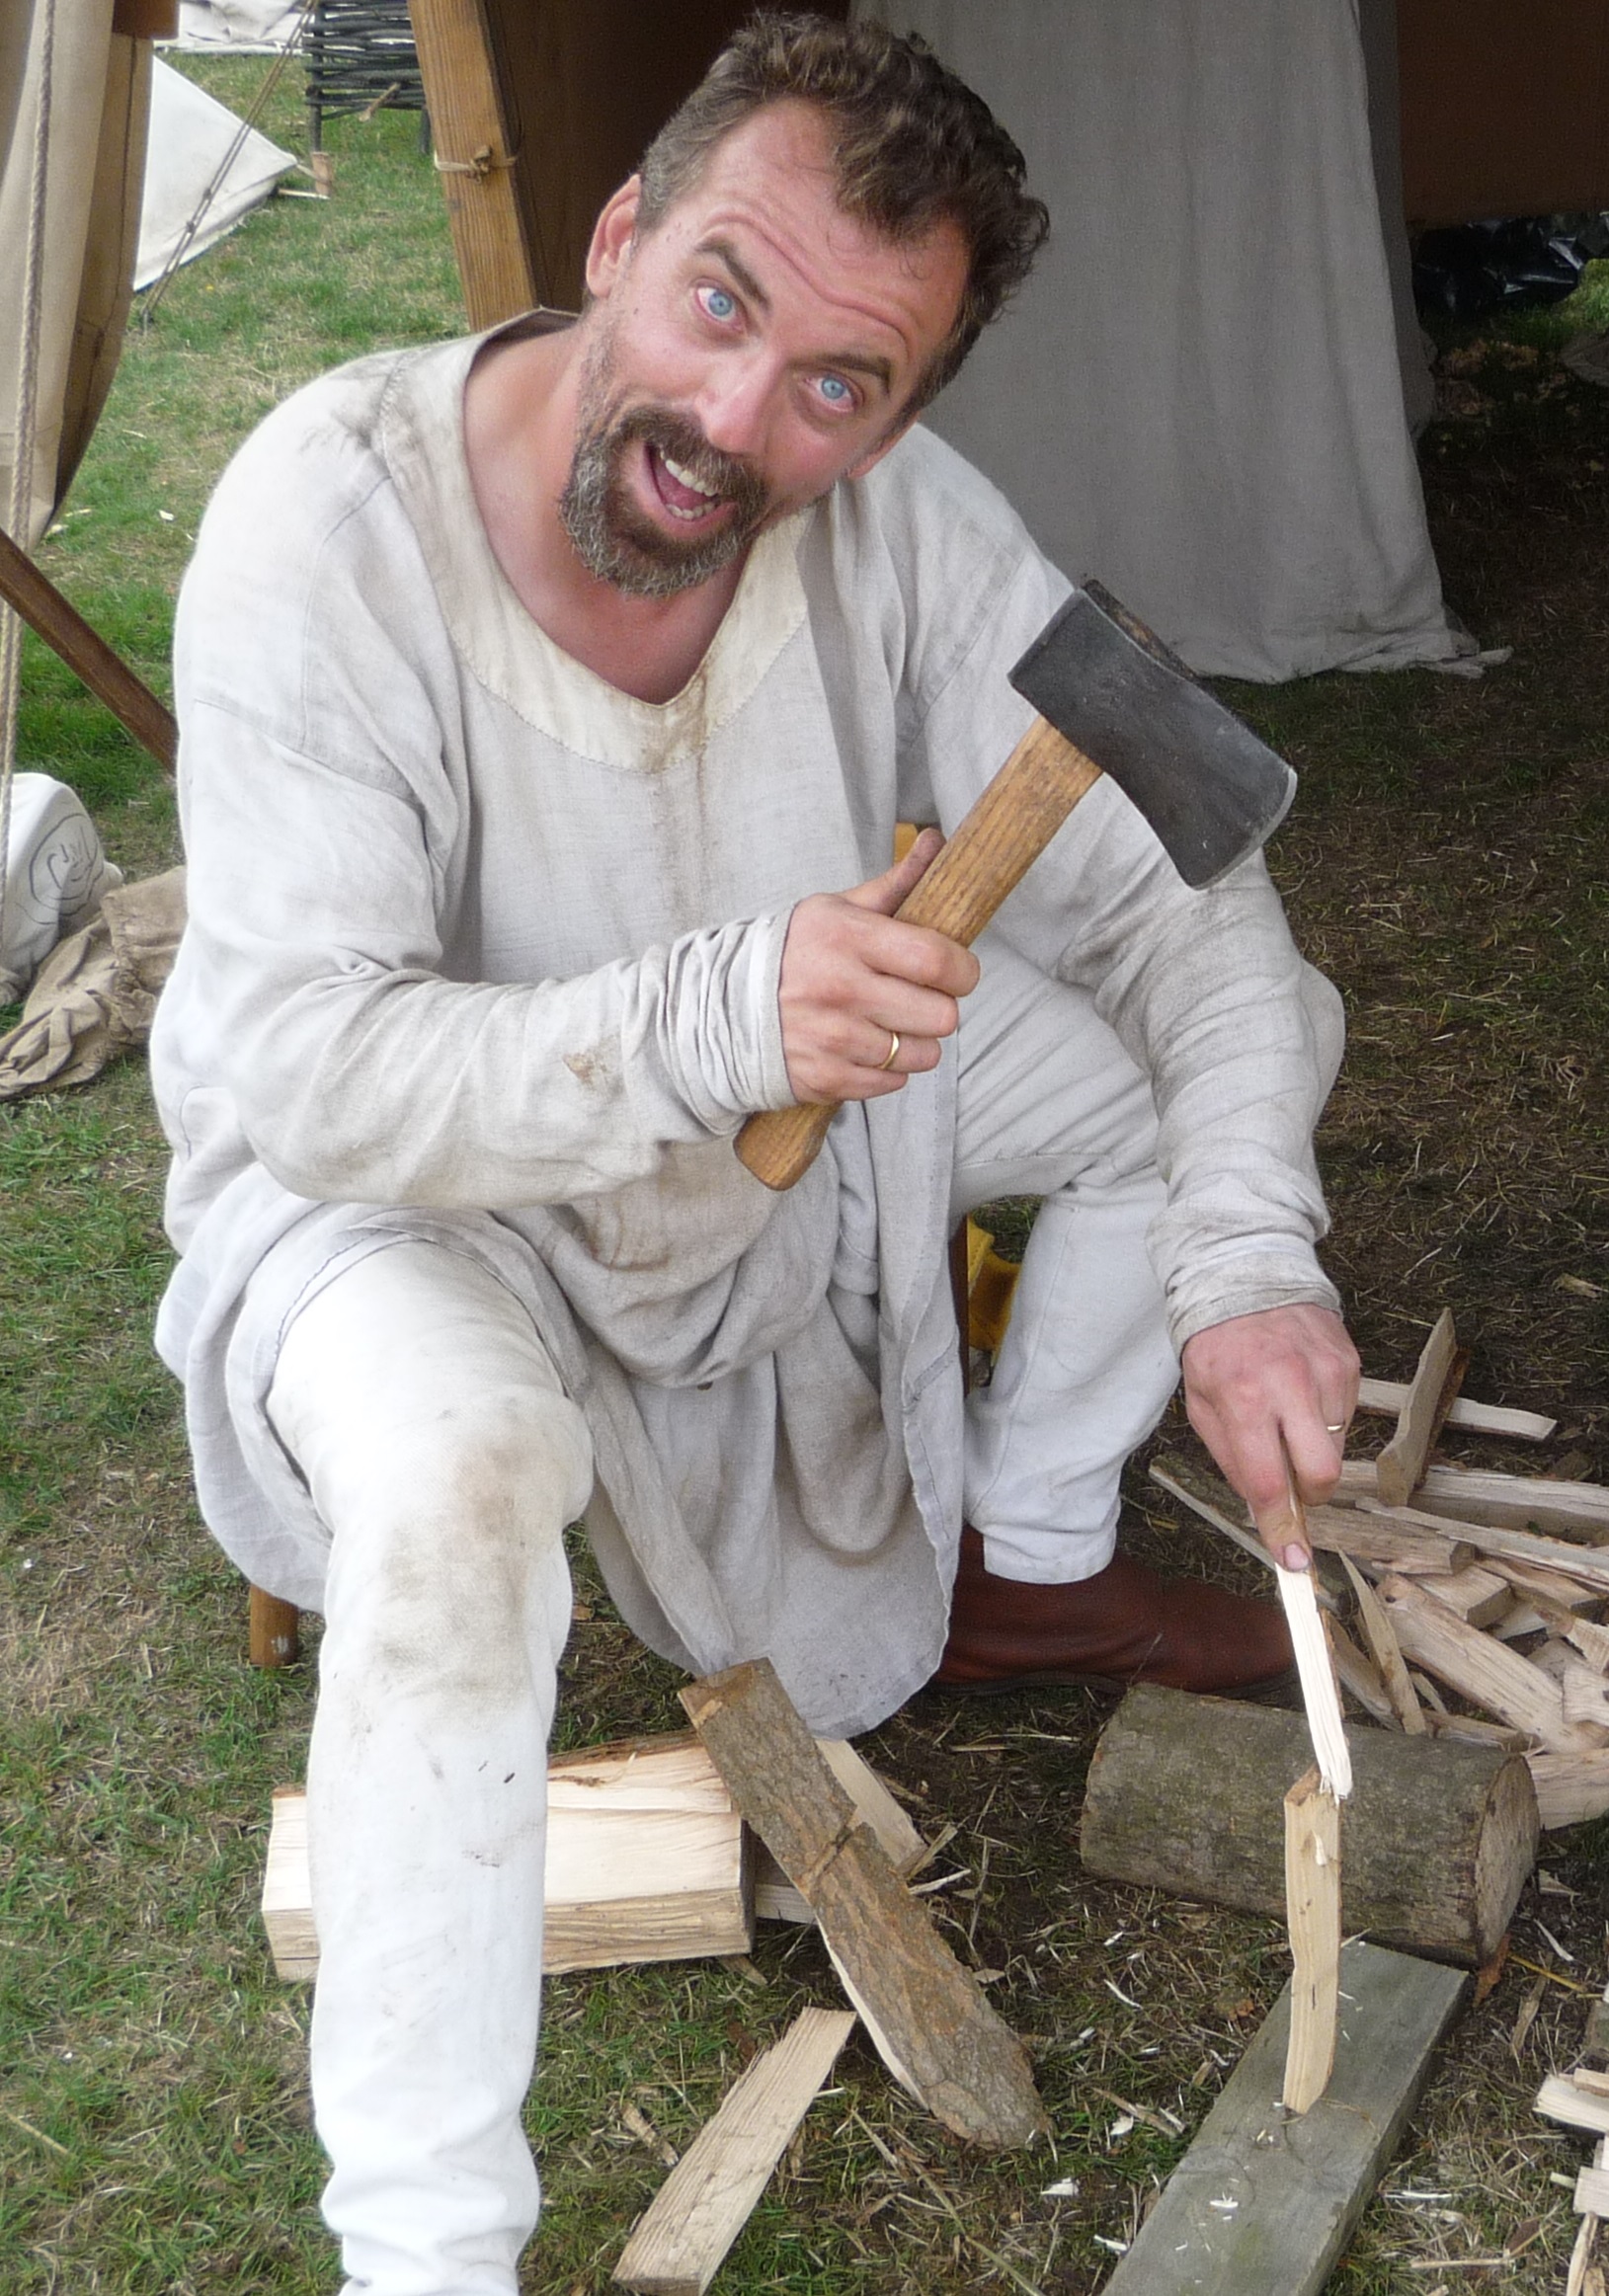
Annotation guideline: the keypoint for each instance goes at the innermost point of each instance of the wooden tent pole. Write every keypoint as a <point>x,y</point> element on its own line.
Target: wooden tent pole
<point>473,158</point>
<point>64,630</point>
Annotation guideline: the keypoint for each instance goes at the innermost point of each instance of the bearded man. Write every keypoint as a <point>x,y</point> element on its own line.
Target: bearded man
<point>532,691</point>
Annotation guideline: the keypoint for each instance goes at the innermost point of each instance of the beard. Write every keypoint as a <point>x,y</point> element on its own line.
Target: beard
<point>611,537</point>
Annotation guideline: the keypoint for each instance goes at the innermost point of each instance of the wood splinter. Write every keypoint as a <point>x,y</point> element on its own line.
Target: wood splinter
<point>1313,1845</point>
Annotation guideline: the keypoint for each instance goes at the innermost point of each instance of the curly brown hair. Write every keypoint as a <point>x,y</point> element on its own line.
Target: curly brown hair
<point>913,148</point>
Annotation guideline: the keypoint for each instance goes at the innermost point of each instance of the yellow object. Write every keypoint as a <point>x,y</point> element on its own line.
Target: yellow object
<point>991,1285</point>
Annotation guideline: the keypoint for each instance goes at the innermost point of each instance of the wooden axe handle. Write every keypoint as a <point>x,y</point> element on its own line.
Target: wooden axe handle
<point>1000,840</point>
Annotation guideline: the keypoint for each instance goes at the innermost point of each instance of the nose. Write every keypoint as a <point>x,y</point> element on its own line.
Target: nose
<point>735,404</point>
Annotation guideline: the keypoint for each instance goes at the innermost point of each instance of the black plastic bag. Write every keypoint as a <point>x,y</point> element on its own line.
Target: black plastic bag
<point>1471,269</point>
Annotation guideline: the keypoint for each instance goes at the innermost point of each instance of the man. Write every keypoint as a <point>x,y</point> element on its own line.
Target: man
<point>532,691</point>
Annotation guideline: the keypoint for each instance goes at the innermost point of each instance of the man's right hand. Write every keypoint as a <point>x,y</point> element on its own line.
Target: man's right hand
<point>853,977</point>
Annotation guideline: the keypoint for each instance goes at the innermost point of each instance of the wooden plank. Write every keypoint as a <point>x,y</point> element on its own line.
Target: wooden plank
<point>1509,1501</point>
<point>1263,2204</point>
<point>1403,1461</point>
<point>1313,1917</point>
<point>86,652</point>
<point>473,159</point>
<point>929,2018</point>
<point>288,1897</point>
<point>709,2195</point>
<point>1389,1396</point>
<point>1383,1648</point>
<point>1479,1668</point>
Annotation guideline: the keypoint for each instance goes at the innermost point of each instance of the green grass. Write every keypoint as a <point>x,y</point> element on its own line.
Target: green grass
<point>1444,862</point>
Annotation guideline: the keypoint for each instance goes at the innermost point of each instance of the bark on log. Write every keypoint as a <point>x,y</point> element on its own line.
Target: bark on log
<point>931,2024</point>
<point>1438,1837</point>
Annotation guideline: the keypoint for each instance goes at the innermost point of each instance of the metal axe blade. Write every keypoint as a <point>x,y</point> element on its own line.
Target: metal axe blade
<point>1212,791</point>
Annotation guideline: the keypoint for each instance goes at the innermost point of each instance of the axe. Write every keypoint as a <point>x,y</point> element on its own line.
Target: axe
<point>1111,699</point>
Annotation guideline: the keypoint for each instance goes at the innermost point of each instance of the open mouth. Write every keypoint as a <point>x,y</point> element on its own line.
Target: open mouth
<point>680,491</point>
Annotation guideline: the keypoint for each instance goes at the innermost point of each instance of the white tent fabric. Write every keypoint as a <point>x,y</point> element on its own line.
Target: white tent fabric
<point>192,136</point>
<point>1198,396</point>
<point>237,23</point>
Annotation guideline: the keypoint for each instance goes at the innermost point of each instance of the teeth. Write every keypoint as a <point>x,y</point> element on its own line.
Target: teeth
<point>679,471</point>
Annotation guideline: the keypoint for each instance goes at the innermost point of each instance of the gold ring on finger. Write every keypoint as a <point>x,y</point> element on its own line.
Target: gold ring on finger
<point>892,1049</point>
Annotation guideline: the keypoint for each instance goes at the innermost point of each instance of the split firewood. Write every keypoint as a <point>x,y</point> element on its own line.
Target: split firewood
<point>1476,1732</point>
<point>1479,1668</point>
<point>1565,2097</point>
<point>1592,2205</point>
<point>1429,1399</point>
<point>1590,1641</point>
<point>1586,1695</point>
<point>709,2195</point>
<point>1482,1495</point>
<point>1360,1677</point>
<point>1336,1530</point>
<point>1496,1543</point>
<point>929,2018</point>
<point>1388,1395</point>
<point>1385,1651</point>
<point>1184,1794</point>
<point>1479,1596</point>
<point>1313,1916</point>
<point>1570,1788</point>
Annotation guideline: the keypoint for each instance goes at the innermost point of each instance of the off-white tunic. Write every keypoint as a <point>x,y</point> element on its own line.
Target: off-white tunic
<point>483,949</point>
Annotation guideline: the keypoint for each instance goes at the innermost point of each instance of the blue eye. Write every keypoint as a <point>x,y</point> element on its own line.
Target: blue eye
<point>719,304</point>
<point>836,390</point>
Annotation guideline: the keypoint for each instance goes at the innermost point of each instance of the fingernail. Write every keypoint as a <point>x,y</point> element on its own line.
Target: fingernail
<point>1296,1559</point>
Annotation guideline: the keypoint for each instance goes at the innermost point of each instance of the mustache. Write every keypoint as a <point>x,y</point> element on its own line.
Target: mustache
<point>730,476</point>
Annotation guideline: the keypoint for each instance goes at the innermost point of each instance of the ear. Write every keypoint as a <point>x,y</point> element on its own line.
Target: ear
<point>611,238</point>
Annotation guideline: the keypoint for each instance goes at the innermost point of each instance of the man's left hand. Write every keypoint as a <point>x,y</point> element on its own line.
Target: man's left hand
<point>1269,1389</point>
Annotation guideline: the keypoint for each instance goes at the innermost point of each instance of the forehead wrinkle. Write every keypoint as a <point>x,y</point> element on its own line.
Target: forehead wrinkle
<point>791,252</point>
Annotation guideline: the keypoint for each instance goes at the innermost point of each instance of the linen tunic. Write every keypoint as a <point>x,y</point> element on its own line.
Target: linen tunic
<point>483,950</point>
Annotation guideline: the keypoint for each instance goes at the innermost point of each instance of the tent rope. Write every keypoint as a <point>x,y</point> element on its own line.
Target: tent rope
<point>23,440</point>
<point>259,105</point>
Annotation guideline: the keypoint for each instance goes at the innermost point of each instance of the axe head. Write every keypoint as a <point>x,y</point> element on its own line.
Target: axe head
<point>1208,787</point>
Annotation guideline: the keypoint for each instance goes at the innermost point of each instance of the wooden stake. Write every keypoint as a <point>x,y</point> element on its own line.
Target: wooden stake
<point>931,2023</point>
<point>473,159</point>
<point>1428,1399</point>
<point>86,652</point>
<point>1385,1652</point>
<point>273,1630</point>
<point>1313,1912</point>
<point>709,2195</point>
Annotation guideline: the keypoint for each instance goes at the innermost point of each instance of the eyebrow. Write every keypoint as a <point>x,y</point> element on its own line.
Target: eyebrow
<point>851,361</point>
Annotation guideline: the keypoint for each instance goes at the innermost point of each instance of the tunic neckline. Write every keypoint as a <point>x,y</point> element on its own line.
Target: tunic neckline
<point>510,654</point>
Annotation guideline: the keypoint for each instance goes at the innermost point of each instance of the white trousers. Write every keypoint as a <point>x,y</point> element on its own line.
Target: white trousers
<point>423,1409</point>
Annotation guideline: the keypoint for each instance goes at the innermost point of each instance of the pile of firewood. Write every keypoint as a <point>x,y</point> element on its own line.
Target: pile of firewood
<point>1441,1579</point>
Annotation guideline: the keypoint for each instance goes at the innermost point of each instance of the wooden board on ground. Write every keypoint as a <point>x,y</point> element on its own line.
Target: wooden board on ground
<point>932,2025</point>
<point>1439,1837</point>
<point>709,2195</point>
<point>1264,2204</point>
<point>646,1860</point>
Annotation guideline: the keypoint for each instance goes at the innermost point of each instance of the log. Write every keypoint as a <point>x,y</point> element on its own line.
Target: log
<point>1478,1667</point>
<point>1184,1794</point>
<point>1261,2205</point>
<point>1313,1885</point>
<point>932,2025</point>
<point>1429,1399</point>
<point>681,2240</point>
<point>1510,1501</point>
<point>1388,1395</point>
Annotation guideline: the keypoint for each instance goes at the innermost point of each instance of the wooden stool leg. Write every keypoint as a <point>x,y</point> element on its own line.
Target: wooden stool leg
<point>274,1640</point>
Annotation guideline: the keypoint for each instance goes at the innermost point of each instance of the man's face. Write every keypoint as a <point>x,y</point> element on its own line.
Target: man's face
<point>753,348</point>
